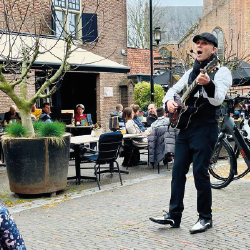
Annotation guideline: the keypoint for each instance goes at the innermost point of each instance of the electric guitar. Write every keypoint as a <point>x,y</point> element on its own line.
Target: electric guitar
<point>186,108</point>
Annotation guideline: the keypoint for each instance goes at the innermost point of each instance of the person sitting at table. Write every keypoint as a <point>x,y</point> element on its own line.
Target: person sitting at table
<point>79,114</point>
<point>132,128</point>
<point>136,109</point>
<point>36,112</point>
<point>152,115</point>
<point>162,120</point>
<point>45,116</point>
<point>118,111</point>
<point>11,115</point>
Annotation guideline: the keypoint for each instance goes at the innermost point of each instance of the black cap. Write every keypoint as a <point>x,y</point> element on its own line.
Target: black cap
<point>207,37</point>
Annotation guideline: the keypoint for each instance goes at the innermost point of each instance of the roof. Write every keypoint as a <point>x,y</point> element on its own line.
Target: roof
<point>139,60</point>
<point>53,52</point>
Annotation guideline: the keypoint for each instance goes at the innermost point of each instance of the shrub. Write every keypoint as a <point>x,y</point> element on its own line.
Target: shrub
<point>37,127</point>
<point>51,129</point>
<point>16,130</point>
<point>142,95</point>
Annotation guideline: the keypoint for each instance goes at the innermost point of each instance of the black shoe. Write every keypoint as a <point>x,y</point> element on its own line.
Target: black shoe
<point>166,219</point>
<point>201,226</point>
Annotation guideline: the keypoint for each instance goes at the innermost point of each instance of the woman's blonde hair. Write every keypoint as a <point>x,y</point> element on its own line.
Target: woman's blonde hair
<point>127,114</point>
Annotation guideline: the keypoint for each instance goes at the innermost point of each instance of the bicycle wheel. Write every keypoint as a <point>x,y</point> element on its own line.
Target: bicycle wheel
<point>242,168</point>
<point>221,165</point>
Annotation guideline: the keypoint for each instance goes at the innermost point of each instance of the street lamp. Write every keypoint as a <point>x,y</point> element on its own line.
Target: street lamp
<point>157,36</point>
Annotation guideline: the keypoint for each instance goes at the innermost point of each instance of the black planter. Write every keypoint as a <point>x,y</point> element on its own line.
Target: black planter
<point>36,165</point>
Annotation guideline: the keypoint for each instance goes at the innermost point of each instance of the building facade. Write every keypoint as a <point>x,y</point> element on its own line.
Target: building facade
<point>101,26</point>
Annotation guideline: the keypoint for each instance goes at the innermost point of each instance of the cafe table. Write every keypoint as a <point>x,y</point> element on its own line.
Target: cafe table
<point>77,141</point>
<point>77,130</point>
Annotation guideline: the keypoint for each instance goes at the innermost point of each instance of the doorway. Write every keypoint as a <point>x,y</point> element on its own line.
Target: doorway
<point>77,88</point>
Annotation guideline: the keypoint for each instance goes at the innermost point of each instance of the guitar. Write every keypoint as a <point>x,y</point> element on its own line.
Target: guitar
<point>186,108</point>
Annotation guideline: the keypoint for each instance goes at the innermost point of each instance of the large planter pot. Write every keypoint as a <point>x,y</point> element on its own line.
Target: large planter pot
<point>36,165</point>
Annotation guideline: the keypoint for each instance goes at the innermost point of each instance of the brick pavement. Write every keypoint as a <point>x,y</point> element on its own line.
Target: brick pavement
<point>117,218</point>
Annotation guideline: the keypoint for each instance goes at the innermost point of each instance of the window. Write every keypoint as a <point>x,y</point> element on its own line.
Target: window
<point>61,22</point>
<point>89,27</point>
<point>218,33</point>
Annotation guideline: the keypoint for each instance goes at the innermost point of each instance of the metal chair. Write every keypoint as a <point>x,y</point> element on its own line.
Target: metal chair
<point>109,145</point>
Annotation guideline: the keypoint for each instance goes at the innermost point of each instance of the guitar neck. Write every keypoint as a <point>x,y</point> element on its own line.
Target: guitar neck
<point>189,90</point>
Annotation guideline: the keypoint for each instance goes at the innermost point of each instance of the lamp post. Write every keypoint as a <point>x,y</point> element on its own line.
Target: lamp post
<point>151,49</point>
<point>157,38</point>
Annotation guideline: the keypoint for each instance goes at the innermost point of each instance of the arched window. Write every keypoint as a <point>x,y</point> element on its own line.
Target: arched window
<point>164,52</point>
<point>218,33</point>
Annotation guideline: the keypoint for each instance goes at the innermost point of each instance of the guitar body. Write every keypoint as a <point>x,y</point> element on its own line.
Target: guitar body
<point>183,115</point>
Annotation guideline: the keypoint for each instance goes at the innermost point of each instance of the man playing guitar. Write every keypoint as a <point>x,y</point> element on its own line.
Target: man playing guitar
<point>197,138</point>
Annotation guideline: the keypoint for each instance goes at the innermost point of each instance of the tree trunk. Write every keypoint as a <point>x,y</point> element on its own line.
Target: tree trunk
<point>27,122</point>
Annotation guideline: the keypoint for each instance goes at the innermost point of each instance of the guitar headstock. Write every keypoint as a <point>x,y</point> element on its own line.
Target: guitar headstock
<point>211,66</point>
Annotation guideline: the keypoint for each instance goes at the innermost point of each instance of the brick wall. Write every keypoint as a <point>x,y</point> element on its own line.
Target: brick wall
<point>139,60</point>
<point>232,17</point>
<point>112,30</point>
<point>5,101</point>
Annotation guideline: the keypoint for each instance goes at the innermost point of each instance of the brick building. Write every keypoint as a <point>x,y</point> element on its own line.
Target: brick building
<point>108,39</point>
<point>229,20</point>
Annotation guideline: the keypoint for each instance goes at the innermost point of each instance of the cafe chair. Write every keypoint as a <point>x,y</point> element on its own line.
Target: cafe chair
<point>109,145</point>
<point>161,143</point>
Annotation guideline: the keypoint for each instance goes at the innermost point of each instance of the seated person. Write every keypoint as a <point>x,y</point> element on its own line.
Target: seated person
<point>36,112</point>
<point>136,110</point>
<point>10,238</point>
<point>45,116</point>
<point>162,120</point>
<point>132,128</point>
<point>79,114</point>
<point>118,111</point>
<point>152,116</point>
<point>12,114</point>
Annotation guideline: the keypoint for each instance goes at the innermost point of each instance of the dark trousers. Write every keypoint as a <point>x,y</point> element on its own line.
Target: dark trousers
<point>194,144</point>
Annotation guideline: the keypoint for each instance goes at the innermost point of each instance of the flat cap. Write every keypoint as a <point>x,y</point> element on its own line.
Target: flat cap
<point>206,37</point>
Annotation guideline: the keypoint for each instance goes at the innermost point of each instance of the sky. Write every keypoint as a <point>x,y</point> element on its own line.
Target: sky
<point>182,2</point>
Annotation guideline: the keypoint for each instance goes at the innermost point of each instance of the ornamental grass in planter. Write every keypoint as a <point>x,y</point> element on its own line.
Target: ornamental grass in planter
<point>39,164</point>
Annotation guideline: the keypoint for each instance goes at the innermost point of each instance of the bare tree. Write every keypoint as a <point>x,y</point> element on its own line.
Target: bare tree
<point>138,21</point>
<point>18,53</point>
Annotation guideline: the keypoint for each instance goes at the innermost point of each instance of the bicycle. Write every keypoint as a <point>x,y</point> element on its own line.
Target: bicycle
<point>223,164</point>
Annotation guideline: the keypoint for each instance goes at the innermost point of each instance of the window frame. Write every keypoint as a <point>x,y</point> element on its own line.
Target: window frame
<point>66,23</point>
<point>217,32</point>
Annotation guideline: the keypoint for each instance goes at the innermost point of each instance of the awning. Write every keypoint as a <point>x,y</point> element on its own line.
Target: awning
<point>52,53</point>
<point>241,75</point>
<point>162,79</point>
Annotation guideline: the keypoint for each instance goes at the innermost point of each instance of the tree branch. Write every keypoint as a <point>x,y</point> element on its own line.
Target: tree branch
<point>63,67</point>
<point>24,74</point>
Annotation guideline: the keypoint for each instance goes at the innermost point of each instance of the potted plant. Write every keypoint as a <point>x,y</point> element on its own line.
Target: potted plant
<point>140,116</point>
<point>98,129</point>
<point>39,164</point>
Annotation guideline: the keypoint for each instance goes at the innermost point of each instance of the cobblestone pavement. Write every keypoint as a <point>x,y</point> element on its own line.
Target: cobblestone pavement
<point>117,218</point>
